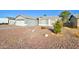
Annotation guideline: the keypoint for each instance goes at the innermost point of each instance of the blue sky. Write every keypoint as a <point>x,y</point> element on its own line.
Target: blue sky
<point>34,13</point>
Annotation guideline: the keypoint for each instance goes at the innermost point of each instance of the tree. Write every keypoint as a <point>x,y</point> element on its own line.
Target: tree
<point>57,27</point>
<point>44,15</point>
<point>65,16</point>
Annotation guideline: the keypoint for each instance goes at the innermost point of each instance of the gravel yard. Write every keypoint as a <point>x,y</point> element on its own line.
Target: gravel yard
<point>13,37</point>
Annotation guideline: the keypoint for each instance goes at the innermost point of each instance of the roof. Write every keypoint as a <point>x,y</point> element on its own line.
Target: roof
<point>50,17</point>
<point>11,18</point>
<point>27,17</point>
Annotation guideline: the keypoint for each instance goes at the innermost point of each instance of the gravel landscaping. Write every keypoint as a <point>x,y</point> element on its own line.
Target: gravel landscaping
<point>37,38</point>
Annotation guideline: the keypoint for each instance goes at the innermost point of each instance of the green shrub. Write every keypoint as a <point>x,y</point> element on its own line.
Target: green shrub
<point>57,27</point>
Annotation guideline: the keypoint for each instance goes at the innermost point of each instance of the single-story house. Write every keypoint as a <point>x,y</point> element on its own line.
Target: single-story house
<point>22,20</point>
<point>48,20</point>
<point>74,20</point>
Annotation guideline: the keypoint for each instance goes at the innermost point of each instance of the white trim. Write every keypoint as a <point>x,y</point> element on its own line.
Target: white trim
<point>49,22</point>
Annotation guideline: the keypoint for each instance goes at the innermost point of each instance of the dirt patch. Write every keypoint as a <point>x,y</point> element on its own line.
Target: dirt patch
<point>34,37</point>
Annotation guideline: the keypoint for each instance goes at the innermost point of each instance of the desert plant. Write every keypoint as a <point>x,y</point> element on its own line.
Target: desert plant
<point>57,27</point>
<point>65,16</point>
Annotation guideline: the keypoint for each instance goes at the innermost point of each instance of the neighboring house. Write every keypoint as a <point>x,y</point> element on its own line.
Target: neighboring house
<point>74,20</point>
<point>48,20</point>
<point>11,20</point>
<point>3,20</point>
<point>22,20</point>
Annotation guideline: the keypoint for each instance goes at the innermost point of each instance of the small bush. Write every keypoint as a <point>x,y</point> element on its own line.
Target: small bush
<point>43,27</point>
<point>57,27</point>
<point>76,34</point>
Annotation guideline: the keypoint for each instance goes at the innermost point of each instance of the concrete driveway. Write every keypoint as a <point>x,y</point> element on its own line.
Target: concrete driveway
<point>8,27</point>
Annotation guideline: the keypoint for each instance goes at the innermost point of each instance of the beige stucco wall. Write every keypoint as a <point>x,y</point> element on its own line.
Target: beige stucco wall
<point>47,22</point>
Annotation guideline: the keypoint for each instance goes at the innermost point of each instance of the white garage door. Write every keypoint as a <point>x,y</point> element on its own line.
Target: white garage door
<point>32,23</point>
<point>20,23</point>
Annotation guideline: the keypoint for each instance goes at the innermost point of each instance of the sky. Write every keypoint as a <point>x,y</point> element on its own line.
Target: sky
<point>34,13</point>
